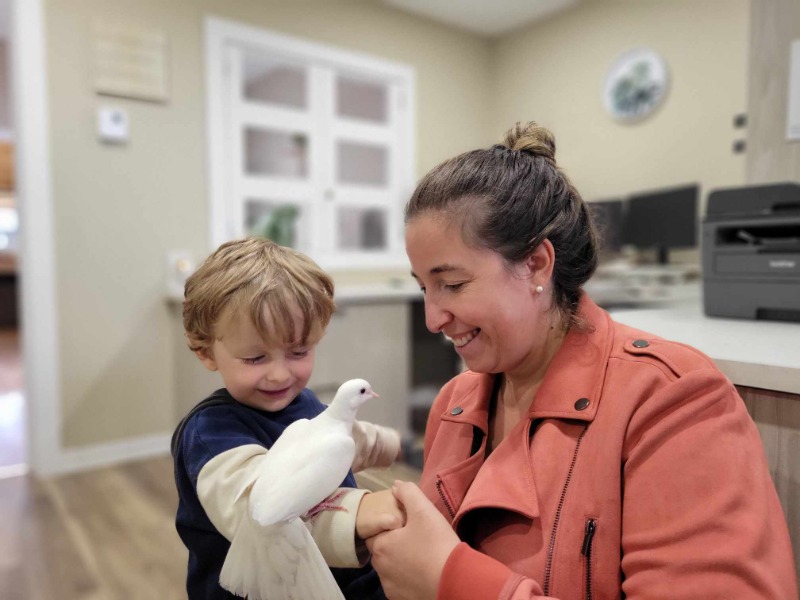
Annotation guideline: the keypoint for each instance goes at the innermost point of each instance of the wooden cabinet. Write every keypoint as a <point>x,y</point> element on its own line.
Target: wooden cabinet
<point>6,166</point>
<point>369,341</point>
<point>777,416</point>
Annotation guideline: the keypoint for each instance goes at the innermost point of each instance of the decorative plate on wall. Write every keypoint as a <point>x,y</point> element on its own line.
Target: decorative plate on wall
<point>635,85</point>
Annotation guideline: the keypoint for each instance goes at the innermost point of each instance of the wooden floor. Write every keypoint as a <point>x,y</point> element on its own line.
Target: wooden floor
<point>106,534</point>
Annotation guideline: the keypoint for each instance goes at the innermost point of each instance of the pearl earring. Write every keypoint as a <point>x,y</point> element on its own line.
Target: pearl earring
<point>539,289</point>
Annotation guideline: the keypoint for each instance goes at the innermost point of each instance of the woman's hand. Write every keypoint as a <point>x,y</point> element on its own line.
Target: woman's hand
<point>378,512</point>
<point>410,560</point>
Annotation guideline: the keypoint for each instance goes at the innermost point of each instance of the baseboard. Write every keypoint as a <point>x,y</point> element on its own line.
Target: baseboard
<point>103,455</point>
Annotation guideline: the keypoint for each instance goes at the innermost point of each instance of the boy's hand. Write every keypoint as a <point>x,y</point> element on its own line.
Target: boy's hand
<point>378,512</point>
<point>422,547</point>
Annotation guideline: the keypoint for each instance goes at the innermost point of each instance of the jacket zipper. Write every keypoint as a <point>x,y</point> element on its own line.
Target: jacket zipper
<point>444,499</point>
<point>548,569</point>
<point>588,537</point>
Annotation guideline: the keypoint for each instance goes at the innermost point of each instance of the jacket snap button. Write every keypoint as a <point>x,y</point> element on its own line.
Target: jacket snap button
<point>581,403</point>
<point>640,343</point>
<point>457,410</point>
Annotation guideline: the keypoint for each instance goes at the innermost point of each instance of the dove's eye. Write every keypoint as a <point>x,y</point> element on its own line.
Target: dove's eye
<point>363,390</point>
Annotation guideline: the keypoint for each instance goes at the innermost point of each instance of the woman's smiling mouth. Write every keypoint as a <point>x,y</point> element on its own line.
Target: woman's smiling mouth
<point>462,340</point>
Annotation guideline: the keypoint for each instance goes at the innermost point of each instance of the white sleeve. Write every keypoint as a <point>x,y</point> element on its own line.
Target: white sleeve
<point>334,531</point>
<point>223,487</point>
<point>376,446</point>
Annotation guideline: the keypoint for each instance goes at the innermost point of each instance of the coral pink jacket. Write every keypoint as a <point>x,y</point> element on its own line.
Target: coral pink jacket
<point>638,474</point>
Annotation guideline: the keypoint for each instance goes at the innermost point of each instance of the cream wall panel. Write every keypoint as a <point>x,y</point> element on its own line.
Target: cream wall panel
<point>770,156</point>
<point>553,72</point>
<point>119,209</point>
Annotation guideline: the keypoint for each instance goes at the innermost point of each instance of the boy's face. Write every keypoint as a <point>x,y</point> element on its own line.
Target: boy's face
<point>266,376</point>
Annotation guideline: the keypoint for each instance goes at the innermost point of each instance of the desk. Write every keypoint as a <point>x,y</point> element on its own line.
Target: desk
<point>758,354</point>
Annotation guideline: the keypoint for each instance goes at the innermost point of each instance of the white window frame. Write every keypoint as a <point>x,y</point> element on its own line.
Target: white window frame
<point>219,35</point>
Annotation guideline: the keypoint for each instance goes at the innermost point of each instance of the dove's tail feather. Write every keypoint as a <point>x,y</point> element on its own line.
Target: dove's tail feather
<point>277,562</point>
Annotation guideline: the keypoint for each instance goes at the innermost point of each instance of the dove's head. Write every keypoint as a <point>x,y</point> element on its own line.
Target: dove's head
<point>356,392</point>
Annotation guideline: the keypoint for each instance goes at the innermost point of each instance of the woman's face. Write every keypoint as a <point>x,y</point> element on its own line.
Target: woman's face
<point>488,310</point>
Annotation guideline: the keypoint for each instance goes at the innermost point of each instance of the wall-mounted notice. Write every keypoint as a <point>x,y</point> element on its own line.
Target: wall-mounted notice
<point>130,61</point>
<point>793,123</point>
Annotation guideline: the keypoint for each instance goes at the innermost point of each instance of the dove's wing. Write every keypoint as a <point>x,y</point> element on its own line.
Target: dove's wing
<point>304,466</point>
<point>277,562</point>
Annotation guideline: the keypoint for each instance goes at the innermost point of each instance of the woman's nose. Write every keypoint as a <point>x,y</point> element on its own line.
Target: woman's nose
<point>436,317</point>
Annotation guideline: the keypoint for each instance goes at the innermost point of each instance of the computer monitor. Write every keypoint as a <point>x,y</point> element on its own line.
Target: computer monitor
<point>607,217</point>
<point>662,219</point>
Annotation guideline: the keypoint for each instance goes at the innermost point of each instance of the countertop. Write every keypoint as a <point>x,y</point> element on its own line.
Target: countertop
<point>760,354</point>
<point>389,291</point>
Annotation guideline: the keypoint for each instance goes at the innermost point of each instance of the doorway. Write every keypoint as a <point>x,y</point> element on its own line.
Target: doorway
<point>13,431</point>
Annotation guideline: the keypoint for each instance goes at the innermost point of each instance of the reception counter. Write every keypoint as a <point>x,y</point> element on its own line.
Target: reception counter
<point>757,354</point>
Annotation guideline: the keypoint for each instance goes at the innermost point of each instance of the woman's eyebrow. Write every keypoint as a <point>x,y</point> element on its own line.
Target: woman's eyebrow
<point>439,269</point>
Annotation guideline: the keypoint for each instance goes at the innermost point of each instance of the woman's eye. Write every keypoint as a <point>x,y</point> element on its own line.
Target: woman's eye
<point>453,287</point>
<point>252,361</point>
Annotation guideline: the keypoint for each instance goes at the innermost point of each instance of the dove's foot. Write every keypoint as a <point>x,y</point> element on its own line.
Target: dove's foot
<point>328,504</point>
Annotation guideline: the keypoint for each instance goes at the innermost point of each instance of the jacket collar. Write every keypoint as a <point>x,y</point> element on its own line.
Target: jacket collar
<point>576,373</point>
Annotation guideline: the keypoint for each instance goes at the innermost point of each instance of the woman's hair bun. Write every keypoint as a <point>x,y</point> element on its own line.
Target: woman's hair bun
<point>532,138</point>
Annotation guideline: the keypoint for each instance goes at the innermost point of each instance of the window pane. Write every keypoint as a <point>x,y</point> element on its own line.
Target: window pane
<point>361,229</point>
<point>281,222</point>
<point>277,153</point>
<point>362,163</point>
<point>361,100</point>
<point>273,81</point>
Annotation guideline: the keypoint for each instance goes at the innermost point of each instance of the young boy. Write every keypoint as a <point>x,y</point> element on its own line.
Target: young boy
<point>254,311</point>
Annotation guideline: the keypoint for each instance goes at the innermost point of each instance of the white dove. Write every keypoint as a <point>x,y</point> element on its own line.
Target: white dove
<point>272,555</point>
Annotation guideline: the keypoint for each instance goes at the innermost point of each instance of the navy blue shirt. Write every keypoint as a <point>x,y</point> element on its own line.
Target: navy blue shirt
<point>214,426</point>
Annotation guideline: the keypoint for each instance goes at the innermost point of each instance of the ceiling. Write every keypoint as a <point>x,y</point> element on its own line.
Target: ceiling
<point>490,18</point>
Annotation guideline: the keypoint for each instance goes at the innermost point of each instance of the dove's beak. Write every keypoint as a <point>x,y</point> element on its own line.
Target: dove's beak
<point>375,395</point>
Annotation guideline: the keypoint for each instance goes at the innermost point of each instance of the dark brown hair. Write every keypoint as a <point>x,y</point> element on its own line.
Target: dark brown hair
<point>510,198</point>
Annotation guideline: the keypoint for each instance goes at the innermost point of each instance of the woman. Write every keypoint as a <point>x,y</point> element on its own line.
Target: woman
<point>577,457</point>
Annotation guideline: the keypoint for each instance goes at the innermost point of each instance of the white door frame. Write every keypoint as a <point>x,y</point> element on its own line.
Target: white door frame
<point>38,307</point>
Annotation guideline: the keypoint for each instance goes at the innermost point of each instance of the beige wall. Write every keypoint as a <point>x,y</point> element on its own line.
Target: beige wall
<point>553,72</point>
<point>119,209</point>
<point>6,118</point>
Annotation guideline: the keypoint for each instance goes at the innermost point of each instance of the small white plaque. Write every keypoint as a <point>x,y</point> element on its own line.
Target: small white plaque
<point>112,125</point>
<point>793,122</point>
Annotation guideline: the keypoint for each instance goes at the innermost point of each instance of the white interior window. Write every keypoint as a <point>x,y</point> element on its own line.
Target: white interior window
<point>309,145</point>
